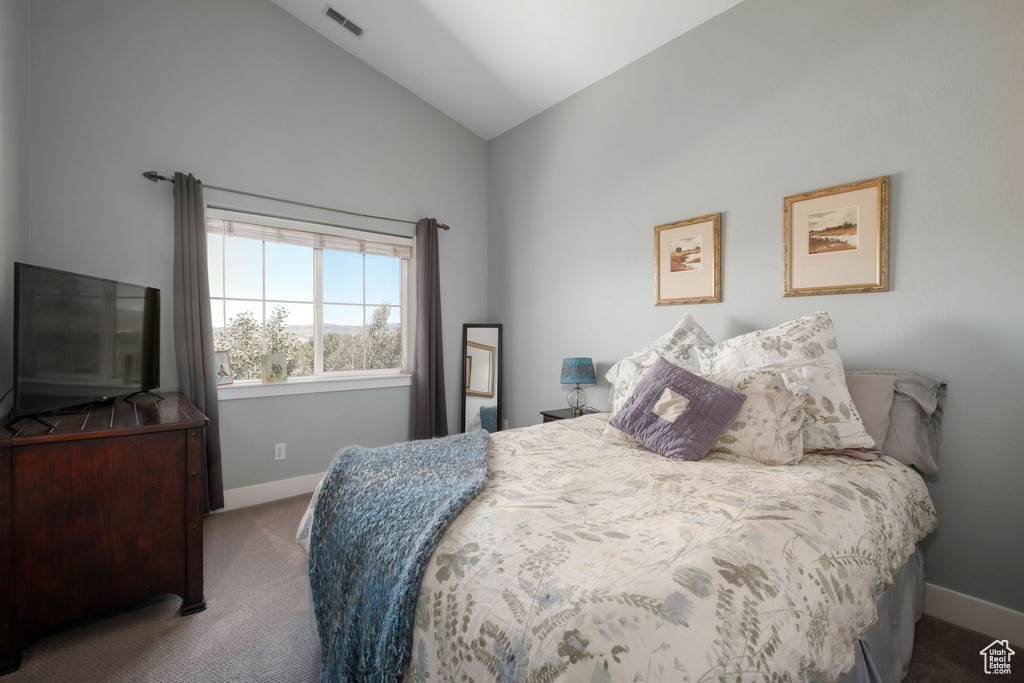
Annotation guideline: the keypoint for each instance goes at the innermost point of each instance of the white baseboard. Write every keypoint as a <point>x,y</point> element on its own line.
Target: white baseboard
<point>977,615</point>
<point>265,493</point>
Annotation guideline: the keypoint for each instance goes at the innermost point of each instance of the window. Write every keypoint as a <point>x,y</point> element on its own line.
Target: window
<point>332,300</point>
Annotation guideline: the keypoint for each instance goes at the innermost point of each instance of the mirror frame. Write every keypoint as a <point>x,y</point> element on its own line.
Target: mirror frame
<point>496,377</point>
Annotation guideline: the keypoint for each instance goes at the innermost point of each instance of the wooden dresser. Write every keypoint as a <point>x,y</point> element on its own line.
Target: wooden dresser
<point>102,513</point>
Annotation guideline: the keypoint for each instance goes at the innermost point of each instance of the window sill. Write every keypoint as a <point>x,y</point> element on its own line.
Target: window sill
<point>311,386</point>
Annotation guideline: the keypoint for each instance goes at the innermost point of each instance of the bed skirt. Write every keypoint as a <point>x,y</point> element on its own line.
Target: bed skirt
<point>883,652</point>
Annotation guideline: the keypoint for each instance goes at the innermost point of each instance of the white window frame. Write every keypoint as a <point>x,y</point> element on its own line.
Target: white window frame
<point>333,381</point>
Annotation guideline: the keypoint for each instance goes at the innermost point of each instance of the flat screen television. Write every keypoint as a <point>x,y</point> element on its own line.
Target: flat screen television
<point>80,339</point>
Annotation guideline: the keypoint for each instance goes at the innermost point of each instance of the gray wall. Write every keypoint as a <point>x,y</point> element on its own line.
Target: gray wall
<point>771,99</point>
<point>243,95</point>
<point>14,165</point>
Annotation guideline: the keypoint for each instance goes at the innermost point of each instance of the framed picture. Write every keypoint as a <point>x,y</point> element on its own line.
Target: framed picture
<point>479,375</point>
<point>837,239</point>
<point>275,368</point>
<point>222,368</point>
<point>688,261</point>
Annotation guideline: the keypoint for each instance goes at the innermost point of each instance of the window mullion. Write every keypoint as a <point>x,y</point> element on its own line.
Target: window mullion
<point>318,312</point>
<point>263,284</point>
<point>224,280</point>
<point>403,318</point>
<point>364,312</point>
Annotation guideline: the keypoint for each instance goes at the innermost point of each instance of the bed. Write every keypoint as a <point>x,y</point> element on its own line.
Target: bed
<point>590,558</point>
<point>748,511</point>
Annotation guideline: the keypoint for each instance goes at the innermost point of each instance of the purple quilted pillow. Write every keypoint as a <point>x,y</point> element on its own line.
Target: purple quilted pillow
<point>677,414</point>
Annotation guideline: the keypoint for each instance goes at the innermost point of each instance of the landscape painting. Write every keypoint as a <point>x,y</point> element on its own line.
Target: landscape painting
<point>836,239</point>
<point>686,253</point>
<point>688,261</point>
<point>832,231</point>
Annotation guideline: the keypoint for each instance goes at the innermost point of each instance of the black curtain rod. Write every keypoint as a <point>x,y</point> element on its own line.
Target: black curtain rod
<point>154,176</point>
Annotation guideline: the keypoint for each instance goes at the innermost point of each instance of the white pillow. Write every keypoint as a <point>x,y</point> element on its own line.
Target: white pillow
<point>804,353</point>
<point>679,346</point>
<point>769,427</point>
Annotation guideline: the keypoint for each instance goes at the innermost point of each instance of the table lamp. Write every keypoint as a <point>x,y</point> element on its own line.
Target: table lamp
<point>578,371</point>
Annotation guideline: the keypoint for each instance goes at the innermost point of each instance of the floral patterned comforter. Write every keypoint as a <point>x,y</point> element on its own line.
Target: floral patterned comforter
<point>586,558</point>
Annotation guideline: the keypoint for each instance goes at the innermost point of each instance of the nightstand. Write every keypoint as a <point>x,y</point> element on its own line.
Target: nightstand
<point>562,414</point>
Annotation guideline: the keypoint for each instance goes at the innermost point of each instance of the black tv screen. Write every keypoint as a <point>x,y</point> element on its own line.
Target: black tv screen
<point>79,339</point>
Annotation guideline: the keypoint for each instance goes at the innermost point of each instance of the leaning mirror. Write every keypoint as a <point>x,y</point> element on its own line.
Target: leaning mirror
<point>481,377</point>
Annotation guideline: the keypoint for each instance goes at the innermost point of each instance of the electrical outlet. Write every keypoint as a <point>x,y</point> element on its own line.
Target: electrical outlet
<point>504,424</point>
<point>278,451</point>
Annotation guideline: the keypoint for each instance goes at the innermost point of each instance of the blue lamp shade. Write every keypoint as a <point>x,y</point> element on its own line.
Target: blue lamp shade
<point>578,371</point>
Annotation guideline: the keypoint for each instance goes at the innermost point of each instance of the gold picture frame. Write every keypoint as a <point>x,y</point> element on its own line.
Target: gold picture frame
<point>486,365</point>
<point>836,239</point>
<point>682,273</point>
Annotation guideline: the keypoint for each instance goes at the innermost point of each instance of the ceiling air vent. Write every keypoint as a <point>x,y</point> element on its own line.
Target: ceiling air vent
<point>340,18</point>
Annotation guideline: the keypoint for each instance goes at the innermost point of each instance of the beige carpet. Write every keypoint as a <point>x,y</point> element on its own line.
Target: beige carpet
<point>256,625</point>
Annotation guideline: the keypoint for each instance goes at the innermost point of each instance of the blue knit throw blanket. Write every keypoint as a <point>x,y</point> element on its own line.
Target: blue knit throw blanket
<point>378,517</point>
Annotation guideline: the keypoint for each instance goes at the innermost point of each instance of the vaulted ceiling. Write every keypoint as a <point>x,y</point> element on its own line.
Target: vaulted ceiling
<point>492,64</point>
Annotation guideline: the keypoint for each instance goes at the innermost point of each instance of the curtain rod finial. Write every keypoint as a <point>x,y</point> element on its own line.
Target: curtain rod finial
<point>154,176</point>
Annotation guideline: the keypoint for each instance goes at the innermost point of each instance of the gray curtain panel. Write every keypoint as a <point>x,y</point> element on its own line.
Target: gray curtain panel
<point>429,414</point>
<point>193,327</point>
